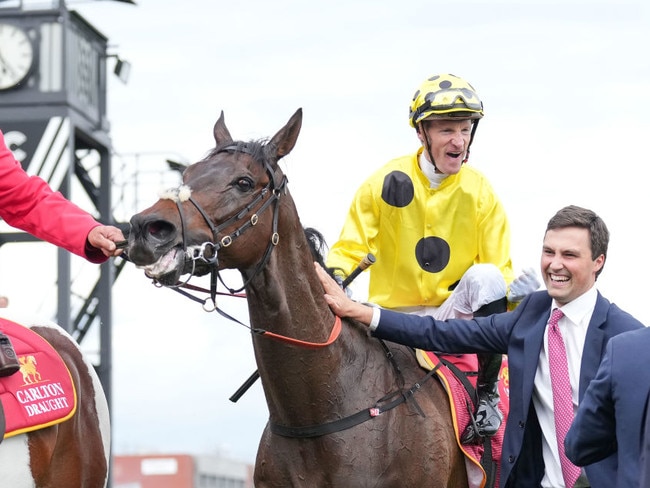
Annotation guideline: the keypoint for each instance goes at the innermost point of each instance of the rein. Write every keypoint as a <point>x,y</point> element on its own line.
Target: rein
<point>334,334</point>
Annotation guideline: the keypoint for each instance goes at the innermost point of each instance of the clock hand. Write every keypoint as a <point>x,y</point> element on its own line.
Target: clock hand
<point>3,62</point>
<point>5,68</point>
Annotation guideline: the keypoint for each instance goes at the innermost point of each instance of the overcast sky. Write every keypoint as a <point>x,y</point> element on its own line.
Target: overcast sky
<point>565,86</point>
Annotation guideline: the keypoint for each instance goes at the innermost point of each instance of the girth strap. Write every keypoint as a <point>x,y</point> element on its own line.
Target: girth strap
<point>355,419</point>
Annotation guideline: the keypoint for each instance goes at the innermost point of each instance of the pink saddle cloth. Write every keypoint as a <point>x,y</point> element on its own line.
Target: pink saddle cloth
<point>461,406</point>
<point>42,393</point>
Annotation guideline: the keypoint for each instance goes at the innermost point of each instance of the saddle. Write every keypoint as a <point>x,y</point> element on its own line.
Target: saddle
<point>457,373</point>
<point>41,393</point>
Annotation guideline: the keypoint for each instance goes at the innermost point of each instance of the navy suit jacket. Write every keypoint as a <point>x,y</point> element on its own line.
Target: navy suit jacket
<point>611,412</point>
<point>644,475</point>
<point>520,335</point>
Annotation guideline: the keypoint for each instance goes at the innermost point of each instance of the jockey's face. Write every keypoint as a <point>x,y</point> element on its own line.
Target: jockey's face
<point>448,141</point>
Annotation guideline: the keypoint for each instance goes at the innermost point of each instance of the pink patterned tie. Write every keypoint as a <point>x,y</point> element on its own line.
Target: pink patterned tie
<point>562,398</point>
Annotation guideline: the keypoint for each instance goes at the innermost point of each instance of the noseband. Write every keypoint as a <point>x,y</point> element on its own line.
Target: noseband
<point>208,251</point>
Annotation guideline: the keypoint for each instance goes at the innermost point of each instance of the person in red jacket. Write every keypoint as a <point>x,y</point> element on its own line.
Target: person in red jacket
<point>28,203</point>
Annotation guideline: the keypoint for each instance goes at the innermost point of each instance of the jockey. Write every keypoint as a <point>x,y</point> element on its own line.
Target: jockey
<point>438,231</point>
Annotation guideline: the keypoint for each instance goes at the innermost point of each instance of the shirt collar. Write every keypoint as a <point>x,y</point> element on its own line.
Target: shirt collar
<point>577,309</point>
<point>430,171</point>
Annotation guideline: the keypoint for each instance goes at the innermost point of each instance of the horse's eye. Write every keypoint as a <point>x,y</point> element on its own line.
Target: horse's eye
<point>245,184</point>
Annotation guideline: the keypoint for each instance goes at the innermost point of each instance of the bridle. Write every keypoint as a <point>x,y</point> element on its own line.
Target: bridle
<point>208,252</point>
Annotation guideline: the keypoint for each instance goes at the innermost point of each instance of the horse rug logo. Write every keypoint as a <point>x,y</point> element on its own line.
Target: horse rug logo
<point>42,392</point>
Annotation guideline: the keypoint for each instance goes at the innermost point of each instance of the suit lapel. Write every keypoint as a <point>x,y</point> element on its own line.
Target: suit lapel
<point>594,344</point>
<point>532,349</point>
<point>537,316</point>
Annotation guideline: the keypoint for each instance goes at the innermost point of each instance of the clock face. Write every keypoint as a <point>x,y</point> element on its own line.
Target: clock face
<point>16,55</point>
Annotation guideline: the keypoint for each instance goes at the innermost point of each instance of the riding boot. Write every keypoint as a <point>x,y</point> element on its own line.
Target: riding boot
<point>8,360</point>
<point>487,417</point>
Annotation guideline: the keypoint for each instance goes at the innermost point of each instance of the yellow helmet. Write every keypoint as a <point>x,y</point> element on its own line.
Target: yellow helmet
<point>445,96</point>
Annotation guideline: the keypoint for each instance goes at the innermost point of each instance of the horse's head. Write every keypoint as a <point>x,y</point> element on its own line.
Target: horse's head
<point>195,228</point>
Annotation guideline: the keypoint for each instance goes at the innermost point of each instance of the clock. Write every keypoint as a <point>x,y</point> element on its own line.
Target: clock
<point>16,55</point>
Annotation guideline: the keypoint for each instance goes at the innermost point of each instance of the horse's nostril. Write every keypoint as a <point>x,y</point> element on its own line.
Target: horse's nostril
<point>160,229</point>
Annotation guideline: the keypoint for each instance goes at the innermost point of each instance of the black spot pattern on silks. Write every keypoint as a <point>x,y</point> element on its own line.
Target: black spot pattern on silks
<point>398,189</point>
<point>432,254</point>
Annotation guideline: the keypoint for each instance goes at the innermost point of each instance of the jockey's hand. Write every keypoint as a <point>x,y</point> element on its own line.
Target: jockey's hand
<point>524,284</point>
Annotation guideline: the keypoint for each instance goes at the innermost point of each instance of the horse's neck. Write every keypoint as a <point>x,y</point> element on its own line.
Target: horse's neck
<point>286,295</point>
<point>286,298</point>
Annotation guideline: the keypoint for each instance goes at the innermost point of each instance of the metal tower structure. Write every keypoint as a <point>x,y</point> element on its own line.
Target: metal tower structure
<point>53,116</point>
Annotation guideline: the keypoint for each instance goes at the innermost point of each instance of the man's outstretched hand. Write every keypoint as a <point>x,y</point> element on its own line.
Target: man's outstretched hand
<point>339,302</point>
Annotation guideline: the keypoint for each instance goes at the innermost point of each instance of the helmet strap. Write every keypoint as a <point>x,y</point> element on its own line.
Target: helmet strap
<point>471,138</point>
<point>426,144</point>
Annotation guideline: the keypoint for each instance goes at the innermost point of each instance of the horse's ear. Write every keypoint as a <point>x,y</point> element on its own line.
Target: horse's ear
<point>285,139</point>
<point>221,133</point>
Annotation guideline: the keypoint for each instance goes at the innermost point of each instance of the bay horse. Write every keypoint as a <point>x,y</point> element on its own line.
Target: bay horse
<point>73,453</point>
<point>345,409</point>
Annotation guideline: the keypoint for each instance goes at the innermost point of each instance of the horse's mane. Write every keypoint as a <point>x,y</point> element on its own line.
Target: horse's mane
<point>317,245</point>
<point>318,248</point>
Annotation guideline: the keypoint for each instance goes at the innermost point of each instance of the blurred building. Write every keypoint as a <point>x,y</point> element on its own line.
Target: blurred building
<point>180,471</point>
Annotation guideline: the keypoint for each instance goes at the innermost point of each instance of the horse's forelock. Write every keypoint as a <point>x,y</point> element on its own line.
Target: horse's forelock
<point>257,149</point>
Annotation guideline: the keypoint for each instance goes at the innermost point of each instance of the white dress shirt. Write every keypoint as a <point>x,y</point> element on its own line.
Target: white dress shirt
<point>573,327</point>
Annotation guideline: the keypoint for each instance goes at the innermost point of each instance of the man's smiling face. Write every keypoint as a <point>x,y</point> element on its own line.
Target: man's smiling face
<point>567,266</point>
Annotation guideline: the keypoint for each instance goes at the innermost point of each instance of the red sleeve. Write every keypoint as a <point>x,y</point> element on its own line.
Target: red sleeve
<point>29,204</point>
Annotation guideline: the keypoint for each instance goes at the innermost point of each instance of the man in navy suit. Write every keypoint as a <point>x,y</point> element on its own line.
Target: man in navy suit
<point>573,255</point>
<point>644,470</point>
<point>610,417</point>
